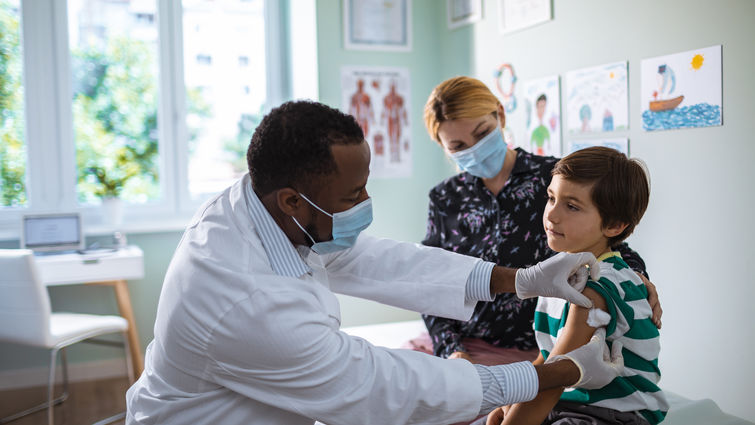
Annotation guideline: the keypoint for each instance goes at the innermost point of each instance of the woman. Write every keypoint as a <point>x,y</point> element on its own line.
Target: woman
<point>492,210</point>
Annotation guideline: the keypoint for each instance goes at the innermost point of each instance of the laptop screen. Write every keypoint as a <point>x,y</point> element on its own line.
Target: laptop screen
<point>52,232</point>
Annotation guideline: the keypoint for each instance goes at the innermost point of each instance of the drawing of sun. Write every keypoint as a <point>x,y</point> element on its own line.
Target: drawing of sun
<point>697,61</point>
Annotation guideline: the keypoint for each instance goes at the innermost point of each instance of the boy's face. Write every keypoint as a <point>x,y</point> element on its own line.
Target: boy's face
<point>571,220</point>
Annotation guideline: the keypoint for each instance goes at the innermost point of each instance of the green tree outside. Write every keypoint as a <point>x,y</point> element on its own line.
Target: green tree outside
<point>115,119</point>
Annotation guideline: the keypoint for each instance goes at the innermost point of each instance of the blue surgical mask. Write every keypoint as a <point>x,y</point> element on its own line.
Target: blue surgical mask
<point>346,226</point>
<point>485,158</point>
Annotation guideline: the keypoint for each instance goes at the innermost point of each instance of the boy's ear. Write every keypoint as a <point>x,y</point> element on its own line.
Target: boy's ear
<point>614,229</point>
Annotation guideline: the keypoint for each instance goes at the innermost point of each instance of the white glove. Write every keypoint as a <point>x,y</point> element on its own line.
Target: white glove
<point>561,276</point>
<point>596,368</point>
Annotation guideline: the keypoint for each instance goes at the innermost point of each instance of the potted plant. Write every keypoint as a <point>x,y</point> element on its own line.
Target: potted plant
<point>110,183</point>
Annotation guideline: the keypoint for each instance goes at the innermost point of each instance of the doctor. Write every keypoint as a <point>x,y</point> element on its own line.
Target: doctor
<point>247,328</point>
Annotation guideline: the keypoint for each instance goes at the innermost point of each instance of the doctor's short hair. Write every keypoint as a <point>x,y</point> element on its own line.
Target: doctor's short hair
<point>458,97</point>
<point>291,145</point>
<point>620,185</point>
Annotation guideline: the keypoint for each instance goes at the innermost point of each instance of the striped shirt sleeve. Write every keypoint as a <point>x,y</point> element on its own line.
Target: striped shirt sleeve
<point>478,282</point>
<point>506,384</point>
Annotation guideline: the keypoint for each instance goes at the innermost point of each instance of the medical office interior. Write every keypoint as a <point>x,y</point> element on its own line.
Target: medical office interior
<point>206,71</point>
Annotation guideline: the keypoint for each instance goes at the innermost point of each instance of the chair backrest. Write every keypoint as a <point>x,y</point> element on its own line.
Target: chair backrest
<point>24,302</point>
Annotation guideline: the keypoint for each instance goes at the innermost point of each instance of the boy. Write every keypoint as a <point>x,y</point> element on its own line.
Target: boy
<point>596,198</point>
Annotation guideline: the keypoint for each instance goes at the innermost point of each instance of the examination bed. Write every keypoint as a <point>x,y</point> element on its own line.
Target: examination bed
<point>683,411</point>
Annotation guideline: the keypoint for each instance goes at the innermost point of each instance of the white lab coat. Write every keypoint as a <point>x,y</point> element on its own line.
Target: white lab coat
<point>237,343</point>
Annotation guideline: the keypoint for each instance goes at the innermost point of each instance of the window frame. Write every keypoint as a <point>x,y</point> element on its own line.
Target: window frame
<point>51,166</point>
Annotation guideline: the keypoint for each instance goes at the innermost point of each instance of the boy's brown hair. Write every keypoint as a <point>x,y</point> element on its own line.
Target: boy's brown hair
<point>620,186</point>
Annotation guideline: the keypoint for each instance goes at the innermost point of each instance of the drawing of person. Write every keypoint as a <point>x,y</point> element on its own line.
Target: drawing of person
<point>394,112</point>
<point>360,108</point>
<point>540,135</point>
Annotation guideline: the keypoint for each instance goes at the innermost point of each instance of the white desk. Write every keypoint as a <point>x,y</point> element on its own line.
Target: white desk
<point>111,269</point>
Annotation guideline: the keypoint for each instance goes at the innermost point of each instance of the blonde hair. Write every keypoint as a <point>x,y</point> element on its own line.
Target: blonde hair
<point>455,98</point>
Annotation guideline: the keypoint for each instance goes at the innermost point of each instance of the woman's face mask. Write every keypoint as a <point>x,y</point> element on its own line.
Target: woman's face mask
<point>485,158</point>
<point>347,225</point>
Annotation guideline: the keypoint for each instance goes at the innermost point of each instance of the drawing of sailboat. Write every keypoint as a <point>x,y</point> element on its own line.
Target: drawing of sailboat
<point>667,85</point>
<point>665,105</point>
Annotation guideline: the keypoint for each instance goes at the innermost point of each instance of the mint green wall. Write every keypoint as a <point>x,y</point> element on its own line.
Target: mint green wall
<point>400,205</point>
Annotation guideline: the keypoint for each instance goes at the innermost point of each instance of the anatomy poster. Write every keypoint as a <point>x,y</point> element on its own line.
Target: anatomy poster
<point>682,90</point>
<point>378,98</point>
<point>543,106</point>
<point>597,99</point>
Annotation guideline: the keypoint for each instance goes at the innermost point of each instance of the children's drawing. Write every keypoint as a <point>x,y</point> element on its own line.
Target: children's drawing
<point>378,98</point>
<point>505,82</point>
<point>621,144</point>
<point>682,90</point>
<point>543,104</point>
<point>597,99</point>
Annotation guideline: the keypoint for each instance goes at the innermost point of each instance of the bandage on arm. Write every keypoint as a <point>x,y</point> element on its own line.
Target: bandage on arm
<point>575,334</point>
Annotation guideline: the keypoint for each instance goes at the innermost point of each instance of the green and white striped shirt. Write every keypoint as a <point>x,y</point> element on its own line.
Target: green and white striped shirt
<point>626,298</point>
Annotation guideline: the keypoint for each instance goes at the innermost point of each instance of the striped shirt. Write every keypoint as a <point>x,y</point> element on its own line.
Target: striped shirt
<point>626,299</point>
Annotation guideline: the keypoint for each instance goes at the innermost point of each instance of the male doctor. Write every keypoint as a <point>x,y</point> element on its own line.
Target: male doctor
<point>247,328</point>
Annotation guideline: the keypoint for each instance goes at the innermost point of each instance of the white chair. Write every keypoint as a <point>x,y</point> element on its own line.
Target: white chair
<point>26,318</point>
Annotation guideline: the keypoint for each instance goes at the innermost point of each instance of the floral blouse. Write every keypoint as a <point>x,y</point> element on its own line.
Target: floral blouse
<point>506,229</point>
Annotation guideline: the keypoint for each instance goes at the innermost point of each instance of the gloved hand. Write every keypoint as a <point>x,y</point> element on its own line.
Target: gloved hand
<point>596,368</point>
<point>562,276</point>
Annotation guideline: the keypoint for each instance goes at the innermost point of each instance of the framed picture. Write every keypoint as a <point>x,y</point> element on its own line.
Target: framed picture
<point>377,25</point>
<point>514,15</point>
<point>463,12</point>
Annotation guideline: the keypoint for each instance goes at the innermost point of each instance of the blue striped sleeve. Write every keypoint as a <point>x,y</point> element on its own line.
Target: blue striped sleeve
<point>506,384</point>
<point>478,282</point>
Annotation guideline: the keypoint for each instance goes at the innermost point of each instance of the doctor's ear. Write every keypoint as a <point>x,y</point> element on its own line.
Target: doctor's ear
<point>289,201</point>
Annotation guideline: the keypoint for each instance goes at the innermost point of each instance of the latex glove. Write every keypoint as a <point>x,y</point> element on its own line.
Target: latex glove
<point>596,367</point>
<point>562,276</point>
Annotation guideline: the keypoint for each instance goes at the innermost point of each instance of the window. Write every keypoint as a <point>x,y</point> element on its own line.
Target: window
<point>114,67</point>
<point>204,59</point>
<point>153,101</point>
<point>12,146</point>
<point>221,128</point>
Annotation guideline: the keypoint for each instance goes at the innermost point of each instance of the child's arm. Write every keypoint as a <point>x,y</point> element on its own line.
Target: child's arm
<point>575,334</point>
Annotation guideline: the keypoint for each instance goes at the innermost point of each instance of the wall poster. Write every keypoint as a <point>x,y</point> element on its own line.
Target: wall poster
<point>682,90</point>
<point>621,144</point>
<point>378,97</point>
<point>597,99</point>
<point>543,106</point>
<point>514,15</point>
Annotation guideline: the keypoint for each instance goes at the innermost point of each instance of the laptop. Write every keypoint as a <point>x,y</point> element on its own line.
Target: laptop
<point>49,233</point>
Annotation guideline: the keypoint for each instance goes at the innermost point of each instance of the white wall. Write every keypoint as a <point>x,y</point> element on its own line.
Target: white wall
<point>697,234</point>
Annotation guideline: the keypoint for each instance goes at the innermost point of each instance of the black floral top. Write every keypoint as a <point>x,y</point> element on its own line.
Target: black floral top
<point>507,229</point>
